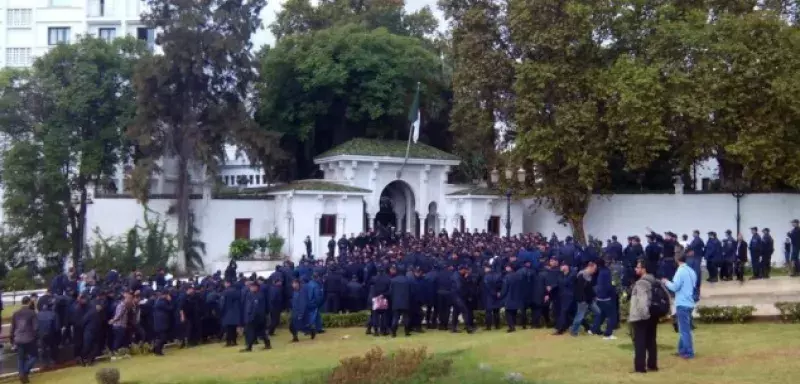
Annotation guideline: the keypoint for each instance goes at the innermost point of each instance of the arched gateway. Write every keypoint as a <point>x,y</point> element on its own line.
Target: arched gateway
<point>397,207</point>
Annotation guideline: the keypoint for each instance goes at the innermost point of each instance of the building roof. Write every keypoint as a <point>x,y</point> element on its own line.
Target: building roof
<point>298,185</point>
<point>316,185</point>
<point>387,148</point>
<point>476,191</point>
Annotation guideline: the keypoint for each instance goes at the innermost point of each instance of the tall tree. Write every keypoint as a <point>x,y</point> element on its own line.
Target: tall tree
<point>323,88</point>
<point>191,100</point>
<point>65,123</point>
<point>482,59</point>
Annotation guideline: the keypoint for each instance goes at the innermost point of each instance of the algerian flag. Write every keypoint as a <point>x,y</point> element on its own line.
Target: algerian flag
<point>414,117</point>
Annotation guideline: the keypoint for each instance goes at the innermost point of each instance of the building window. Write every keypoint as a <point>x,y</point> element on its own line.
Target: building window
<point>250,180</point>
<point>227,182</point>
<point>147,35</point>
<point>58,35</point>
<point>107,34</point>
<point>241,229</point>
<point>258,179</point>
<point>494,225</point>
<point>327,225</point>
<point>19,17</point>
<point>264,177</point>
<point>462,225</point>
<point>18,57</point>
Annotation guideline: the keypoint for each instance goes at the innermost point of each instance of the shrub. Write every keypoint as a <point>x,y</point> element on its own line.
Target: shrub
<point>376,367</point>
<point>107,376</point>
<point>725,314</point>
<point>790,312</point>
<point>261,243</point>
<point>275,244</point>
<point>338,320</point>
<point>241,249</point>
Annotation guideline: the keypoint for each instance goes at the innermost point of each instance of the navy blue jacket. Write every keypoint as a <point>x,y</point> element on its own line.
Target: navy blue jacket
<point>231,307</point>
<point>756,246</point>
<point>713,251</point>
<point>604,289</point>
<point>162,315</point>
<point>380,286</point>
<point>255,307</point>
<point>511,293</point>
<point>492,288</point>
<point>400,293</point>
<point>698,247</point>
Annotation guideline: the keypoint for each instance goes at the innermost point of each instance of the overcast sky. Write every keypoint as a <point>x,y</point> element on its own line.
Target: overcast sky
<point>268,16</point>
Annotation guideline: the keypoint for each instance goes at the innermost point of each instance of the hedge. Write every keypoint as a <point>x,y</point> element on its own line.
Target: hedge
<point>725,314</point>
<point>790,312</point>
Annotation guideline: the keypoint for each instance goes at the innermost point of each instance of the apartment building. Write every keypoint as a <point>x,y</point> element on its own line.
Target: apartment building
<point>29,28</point>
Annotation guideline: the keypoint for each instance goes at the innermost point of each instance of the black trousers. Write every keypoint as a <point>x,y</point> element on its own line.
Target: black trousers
<point>253,331</point>
<point>396,315</point>
<point>460,308</point>
<point>443,305</point>
<point>492,318</point>
<point>230,335</point>
<point>77,342</point>
<point>333,303</point>
<point>511,319</point>
<point>766,264</point>
<point>645,349</point>
<point>274,320</point>
<point>738,268</point>
<point>713,270</point>
<point>726,270</point>
<point>161,339</point>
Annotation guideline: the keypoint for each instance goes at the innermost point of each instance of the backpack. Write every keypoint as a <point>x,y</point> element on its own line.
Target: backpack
<point>659,301</point>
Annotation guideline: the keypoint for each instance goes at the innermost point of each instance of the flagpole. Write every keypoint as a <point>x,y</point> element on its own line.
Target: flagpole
<point>408,145</point>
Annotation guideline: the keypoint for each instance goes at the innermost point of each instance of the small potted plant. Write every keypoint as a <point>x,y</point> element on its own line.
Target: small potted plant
<point>262,244</point>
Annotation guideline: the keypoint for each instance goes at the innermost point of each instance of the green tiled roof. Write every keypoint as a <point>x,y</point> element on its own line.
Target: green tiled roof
<point>390,148</point>
<point>316,185</point>
<point>476,191</point>
<point>298,185</point>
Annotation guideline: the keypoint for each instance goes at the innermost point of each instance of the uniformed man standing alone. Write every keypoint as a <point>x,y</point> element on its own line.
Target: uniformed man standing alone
<point>255,318</point>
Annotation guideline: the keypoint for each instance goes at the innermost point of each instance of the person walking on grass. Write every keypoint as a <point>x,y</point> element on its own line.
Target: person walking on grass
<point>649,303</point>
<point>24,326</point>
<point>683,286</point>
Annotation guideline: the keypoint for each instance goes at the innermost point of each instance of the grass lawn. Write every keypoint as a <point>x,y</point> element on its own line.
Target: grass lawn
<point>751,353</point>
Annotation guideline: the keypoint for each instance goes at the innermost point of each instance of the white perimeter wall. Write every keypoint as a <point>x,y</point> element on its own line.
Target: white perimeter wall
<point>213,217</point>
<point>625,215</point>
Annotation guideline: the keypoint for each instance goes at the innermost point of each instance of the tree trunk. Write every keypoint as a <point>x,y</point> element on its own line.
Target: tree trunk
<point>183,190</point>
<point>578,232</point>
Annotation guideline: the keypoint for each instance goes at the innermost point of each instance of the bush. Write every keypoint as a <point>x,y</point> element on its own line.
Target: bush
<point>261,243</point>
<point>275,244</point>
<point>725,314</point>
<point>376,367</point>
<point>107,376</point>
<point>19,279</point>
<point>337,320</point>
<point>790,312</point>
<point>241,249</point>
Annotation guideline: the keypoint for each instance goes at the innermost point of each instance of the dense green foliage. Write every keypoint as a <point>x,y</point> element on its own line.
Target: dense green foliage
<point>595,92</point>
<point>64,119</point>
<point>343,69</point>
<point>145,247</point>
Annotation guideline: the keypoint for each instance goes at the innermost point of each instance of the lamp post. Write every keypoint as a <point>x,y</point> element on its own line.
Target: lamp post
<point>509,173</point>
<point>738,193</point>
<point>81,211</point>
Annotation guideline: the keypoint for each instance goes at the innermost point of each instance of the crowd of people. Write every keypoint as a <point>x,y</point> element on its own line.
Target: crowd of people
<point>426,283</point>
